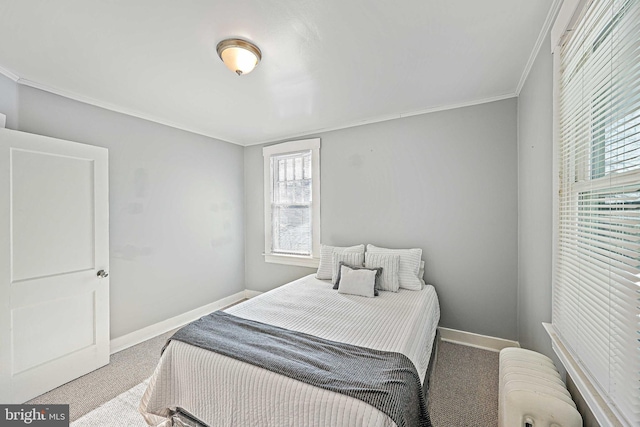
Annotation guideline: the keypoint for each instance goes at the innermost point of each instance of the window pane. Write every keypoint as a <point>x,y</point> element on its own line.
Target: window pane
<point>289,170</point>
<point>307,167</point>
<point>291,208</point>
<point>298,168</point>
<point>291,229</point>
<point>281,166</point>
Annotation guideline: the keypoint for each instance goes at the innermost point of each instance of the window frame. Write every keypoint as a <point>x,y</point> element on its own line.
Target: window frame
<point>603,409</point>
<point>291,147</point>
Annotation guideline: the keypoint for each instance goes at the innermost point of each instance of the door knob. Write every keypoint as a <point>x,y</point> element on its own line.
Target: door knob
<point>102,274</point>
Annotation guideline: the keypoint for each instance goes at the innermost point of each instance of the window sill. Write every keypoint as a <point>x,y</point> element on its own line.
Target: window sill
<point>600,408</point>
<point>299,261</point>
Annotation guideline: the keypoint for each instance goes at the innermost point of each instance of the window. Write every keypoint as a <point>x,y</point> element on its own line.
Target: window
<point>292,202</point>
<point>596,290</point>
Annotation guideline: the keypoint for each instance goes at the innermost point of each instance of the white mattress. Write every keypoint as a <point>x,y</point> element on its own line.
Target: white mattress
<point>222,391</point>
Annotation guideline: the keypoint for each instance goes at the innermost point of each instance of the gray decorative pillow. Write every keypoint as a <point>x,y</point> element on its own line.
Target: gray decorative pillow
<point>351,258</point>
<point>325,268</point>
<point>357,282</point>
<point>390,264</point>
<point>377,281</point>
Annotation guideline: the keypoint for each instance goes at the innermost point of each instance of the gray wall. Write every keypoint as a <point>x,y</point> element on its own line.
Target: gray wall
<point>445,182</point>
<point>9,101</point>
<point>535,197</point>
<point>176,208</point>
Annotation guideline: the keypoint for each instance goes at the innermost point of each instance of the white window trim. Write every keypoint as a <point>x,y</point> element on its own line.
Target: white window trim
<point>603,411</point>
<point>596,402</point>
<point>289,147</point>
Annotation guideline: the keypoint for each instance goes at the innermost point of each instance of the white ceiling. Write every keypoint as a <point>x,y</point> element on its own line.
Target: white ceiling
<point>326,64</point>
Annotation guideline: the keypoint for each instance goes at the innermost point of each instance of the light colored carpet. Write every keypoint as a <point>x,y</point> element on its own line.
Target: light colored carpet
<point>126,369</point>
<point>464,389</point>
<point>119,411</point>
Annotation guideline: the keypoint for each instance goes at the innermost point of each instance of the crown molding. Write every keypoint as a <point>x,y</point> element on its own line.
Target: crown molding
<point>9,74</point>
<point>150,118</point>
<point>119,109</point>
<point>460,105</point>
<point>548,22</point>
<point>386,118</point>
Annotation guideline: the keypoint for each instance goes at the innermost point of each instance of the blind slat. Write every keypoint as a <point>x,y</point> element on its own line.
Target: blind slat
<point>596,300</point>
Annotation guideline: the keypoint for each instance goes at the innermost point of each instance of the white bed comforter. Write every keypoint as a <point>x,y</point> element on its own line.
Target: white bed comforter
<point>222,391</point>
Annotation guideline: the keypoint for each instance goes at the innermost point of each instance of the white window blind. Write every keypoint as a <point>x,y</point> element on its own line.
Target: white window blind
<point>597,279</point>
<point>292,202</point>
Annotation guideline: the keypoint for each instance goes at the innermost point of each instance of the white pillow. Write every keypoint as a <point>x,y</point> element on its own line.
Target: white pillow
<point>390,279</point>
<point>409,265</point>
<point>325,268</point>
<point>376,285</point>
<point>357,282</point>
<point>421,274</point>
<point>355,259</point>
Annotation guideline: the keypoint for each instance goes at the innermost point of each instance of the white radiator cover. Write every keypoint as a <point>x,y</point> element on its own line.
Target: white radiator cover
<point>531,392</point>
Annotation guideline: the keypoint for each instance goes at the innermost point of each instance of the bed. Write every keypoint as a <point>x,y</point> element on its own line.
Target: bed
<point>194,386</point>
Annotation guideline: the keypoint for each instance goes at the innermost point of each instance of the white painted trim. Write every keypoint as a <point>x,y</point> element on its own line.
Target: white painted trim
<point>602,411</point>
<point>143,116</point>
<point>551,15</point>
<point>248,293</point>
<point>452,106</point>
<point>9,74</point>
<point>313,145</point>
<point>3,121</point>
<point>291,147</point>
<point>387,118</point>
<point>470,339</point>
<point>118,109</point>
<point>136,337</point>
<point>567,16</point>
<point>292,260</point>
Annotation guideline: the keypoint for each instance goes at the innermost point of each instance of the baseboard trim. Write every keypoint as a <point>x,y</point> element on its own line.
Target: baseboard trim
<point>136,337</point>
<point>470,339</point>
<point>454,336</point>
<point>248,293</point>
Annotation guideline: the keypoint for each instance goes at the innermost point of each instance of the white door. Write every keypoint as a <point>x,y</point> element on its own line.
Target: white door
<point>54,246</point>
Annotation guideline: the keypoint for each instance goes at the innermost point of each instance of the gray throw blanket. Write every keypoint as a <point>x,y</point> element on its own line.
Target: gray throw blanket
<point>386,380</point>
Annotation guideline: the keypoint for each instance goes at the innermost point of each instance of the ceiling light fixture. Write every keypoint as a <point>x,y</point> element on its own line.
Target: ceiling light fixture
<point>239,56</point>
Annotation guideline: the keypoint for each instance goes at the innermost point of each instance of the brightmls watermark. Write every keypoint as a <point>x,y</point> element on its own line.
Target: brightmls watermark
<point>34,415</point>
